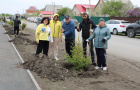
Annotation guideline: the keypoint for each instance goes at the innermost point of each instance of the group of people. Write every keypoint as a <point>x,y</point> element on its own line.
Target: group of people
<point>52,30</point>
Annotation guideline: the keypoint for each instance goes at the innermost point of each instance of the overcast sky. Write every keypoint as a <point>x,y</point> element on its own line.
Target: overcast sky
<point>14,6</point>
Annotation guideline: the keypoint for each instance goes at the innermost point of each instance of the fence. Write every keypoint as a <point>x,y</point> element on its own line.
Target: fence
<point>79,18</point>
<point>96,19</point>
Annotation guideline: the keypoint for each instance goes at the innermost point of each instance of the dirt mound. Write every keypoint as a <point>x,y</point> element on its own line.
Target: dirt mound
<point>47,68</point>
<point>9,29</point>
<point>23,34</point>
<point>20,40</point>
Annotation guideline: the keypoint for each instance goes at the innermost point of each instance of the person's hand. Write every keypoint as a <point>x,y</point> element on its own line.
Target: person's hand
<point>103,40</point>
<point>51,42</point>
<point>87,40</point>
<point>63,30</point>
<point>60,39</point>
<point>62,34</point>
<point>77,28</point>
<point>37,42</point>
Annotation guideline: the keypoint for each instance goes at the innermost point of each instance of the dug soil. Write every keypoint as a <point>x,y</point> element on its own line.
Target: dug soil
<point>59,75</point>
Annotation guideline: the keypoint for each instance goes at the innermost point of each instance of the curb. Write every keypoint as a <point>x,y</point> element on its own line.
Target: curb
<point>28,71</point>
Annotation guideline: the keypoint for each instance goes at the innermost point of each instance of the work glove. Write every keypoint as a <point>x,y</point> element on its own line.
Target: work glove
<point>87,40</point>
<point>104,40</point>
<point>91,30</point>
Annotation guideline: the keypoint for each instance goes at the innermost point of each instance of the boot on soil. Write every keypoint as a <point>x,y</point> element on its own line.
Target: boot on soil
<point>104,68</point>
<point>56,58</point>
<point>40,55</point>
<point>97,67</point>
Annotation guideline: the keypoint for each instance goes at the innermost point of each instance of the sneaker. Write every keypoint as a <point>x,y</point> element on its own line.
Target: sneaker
<point>40,55</point>
<point>104,68</point>
<point>97,67</point>
<point>56,58</point>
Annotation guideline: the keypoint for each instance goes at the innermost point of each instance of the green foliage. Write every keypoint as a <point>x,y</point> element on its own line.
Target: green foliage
<point>23,26</point>
<point>0,19</point>
<point>11,23</point>
<point>112,8</point>
<point>6,15</point>
<point>66,11</point>
<point>78,60</point>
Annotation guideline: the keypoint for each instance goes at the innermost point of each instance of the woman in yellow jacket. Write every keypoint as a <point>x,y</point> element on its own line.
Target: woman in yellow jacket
<point>43,35</point>
<point>56,27</point>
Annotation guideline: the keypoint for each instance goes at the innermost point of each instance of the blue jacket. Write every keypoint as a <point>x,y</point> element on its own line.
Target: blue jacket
<point>99,34</point>
<point>69,30</point>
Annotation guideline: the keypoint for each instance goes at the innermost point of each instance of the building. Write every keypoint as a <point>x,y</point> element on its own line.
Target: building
<point>32,10</point>
<point>54,8</point>
<point>78,9</point>
<point>46,14</point>
<point>97,10</point>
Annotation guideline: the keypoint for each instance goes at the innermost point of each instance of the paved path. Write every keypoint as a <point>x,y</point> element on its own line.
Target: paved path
<point>12,77</point>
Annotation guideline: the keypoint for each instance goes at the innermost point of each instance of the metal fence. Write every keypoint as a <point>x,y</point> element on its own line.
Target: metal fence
<point>79,19</point>
<point>96,19</point>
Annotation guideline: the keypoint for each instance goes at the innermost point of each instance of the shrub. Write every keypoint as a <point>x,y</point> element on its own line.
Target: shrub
<point>11,23</point>
<point>78,60</point>
<point>23,26</point>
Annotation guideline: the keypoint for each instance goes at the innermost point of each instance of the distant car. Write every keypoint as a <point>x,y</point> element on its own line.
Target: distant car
<point>38,20</point>
<point>28,18</point>
<point>35,19</point>
<point>117,26</point>
<point>133,29</point>
<point>31,19</point>
<point>72,19</point>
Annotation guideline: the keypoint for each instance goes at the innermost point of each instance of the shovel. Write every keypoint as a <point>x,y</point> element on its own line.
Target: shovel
<point>106,58</point>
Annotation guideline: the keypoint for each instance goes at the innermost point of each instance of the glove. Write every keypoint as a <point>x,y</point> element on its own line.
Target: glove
<point>104,40</point>
<point>87,40</point>
<point>91,30</point>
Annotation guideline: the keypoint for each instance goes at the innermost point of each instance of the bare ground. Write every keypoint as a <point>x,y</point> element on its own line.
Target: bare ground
<point>123,74</point>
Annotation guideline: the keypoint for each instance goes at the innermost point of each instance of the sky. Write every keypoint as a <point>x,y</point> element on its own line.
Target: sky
<point>20,6</point>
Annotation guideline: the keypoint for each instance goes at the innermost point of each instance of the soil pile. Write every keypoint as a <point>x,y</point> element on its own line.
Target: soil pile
<point>9,29</point>
<point>47,68</point>
<point>20,40</point>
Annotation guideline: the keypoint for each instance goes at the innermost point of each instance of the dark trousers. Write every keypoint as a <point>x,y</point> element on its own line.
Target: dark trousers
<point>101,60</point>
<point>43,45</point>
<point>91,49</point>
<point>69,43</point>
<point>16,30</point>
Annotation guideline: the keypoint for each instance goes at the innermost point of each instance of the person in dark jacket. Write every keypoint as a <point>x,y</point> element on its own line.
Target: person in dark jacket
<point>69,32</point>
<point>85,26</point>
<point>101,35</point>
<point>16,25</point>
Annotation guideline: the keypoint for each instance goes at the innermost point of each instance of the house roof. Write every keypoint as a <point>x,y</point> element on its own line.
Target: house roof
<point>32,8</point>
<point>82,7</point>
<point>46,12</point>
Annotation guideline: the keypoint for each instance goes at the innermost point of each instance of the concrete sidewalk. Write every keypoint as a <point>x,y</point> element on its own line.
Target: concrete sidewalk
<point>12,77</point>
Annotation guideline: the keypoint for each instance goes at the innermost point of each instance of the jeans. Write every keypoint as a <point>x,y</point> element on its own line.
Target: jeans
<point>91,49</point>
<point>69,43</point>
<point>101,60</point>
